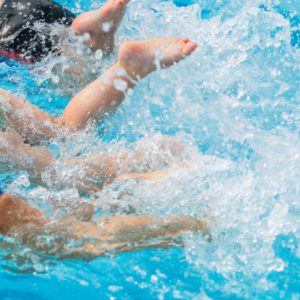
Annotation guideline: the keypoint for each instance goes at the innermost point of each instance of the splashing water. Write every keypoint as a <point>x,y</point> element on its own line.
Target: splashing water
<point>234,106</point>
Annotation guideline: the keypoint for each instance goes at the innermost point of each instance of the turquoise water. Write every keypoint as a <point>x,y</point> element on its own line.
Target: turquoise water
<point>235,101</point>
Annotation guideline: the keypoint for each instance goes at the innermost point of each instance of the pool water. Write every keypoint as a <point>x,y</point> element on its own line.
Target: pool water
<point>234,105</point>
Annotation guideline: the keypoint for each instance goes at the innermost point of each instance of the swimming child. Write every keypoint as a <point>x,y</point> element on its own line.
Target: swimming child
<point>110,234</point>
<point>24,36</point>
<point>30,125</point>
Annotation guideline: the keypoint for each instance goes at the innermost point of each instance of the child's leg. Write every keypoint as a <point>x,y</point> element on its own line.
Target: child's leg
<point>100,170</point>
<point>31,122</point>
<point>15,155</point>
<point>101,25</point>
<point>135,61</point>
<point>88,176</point>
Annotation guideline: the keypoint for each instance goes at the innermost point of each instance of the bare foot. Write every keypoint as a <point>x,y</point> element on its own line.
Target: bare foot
<point>101,24</point>
<point>139,58</point>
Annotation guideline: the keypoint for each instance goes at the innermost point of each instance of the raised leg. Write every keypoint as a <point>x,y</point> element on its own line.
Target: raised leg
<point>135,61</point>
<point>101,25</point>
<point>102,97</point>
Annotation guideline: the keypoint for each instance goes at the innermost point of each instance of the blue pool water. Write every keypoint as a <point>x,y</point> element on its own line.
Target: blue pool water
<point>236,102</point>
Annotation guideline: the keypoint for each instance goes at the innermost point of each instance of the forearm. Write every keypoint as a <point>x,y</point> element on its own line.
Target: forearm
<point>124,233</point>
<point>141,228</point>
<point>131,233</point>
<point>110,235</point>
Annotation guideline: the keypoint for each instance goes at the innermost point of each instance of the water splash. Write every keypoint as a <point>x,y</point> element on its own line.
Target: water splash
<point>236,101</point>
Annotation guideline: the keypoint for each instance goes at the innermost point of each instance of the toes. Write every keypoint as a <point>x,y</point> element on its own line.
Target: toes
<point>177,48</point>
<point>189,47</point>
<point>120,4</point>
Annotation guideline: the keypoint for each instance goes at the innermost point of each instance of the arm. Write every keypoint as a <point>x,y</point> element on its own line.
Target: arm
<point>129,233</point>
<point>110,234</point>
<point>131,229</point>
<point>16,155</point>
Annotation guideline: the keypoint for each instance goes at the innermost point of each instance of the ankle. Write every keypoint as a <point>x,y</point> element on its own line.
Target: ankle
<point>119,72</point>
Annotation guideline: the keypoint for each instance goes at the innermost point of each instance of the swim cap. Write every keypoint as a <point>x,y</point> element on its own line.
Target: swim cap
<point>1,192</point>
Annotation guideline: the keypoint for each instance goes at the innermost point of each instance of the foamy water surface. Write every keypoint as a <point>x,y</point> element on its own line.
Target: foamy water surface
<point>233,106</point>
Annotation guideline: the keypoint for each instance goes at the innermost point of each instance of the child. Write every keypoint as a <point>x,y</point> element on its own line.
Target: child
<point>136,59</point>
<point>108,235</point>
